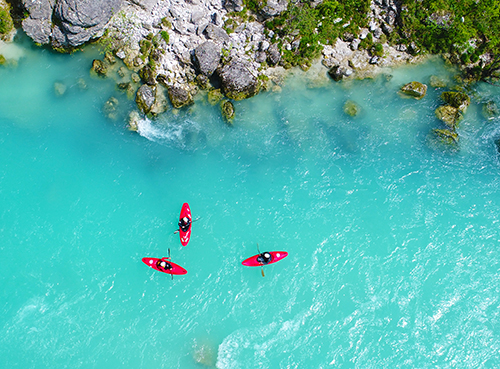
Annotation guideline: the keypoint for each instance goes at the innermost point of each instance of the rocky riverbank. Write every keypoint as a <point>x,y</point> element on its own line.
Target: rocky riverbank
<point>185,45</point>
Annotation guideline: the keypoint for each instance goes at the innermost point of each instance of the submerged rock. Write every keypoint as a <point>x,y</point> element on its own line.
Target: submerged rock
<point>450,115</point>
<point>214,96</point>
<point>99,67</point>
<point>490,110</point>
<point>59,88</point>
<point>133,121</point>
<point>415,89</point>
<point>458,100</point>
<point>228,112</point>
<point>111,108</point>
<point>351,108</point>
<point>446,136</point>
<point>438,82</point>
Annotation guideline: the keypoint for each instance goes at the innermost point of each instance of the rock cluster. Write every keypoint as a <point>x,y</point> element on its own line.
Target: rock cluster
<point>451,113</point>
<point>183,44</point>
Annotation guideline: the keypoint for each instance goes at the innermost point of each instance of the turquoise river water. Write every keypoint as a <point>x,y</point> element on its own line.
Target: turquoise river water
<point>393,240</point>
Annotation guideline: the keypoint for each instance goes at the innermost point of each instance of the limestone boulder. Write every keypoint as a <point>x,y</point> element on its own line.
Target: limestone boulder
<point>145,98</point>
<point>450,115</point>
<point>206,58</point>
<point>179,96</point>
<point>458,100</point>
<point>238,80</point>
<point>414,89</point>
<point>67,23</point>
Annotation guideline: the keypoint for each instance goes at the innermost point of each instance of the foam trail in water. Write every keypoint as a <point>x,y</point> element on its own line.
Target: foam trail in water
<point>170,133</point>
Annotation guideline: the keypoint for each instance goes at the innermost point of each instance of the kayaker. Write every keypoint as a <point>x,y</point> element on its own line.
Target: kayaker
<point>184,224</point>
<point>264,258</point>
<point>163,264</point>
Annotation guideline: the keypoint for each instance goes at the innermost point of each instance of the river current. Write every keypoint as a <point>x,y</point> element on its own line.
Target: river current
<point>393,239</point>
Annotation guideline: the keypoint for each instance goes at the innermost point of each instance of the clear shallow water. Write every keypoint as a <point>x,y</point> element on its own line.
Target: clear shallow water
<point>393,243</point>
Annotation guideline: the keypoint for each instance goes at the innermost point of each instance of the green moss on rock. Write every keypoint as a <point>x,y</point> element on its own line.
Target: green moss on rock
<point>227,109</point>
<point>414,89</point>
<point>458,100</point>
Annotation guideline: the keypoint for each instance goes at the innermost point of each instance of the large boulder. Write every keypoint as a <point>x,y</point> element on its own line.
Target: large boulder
<point>238,81</point>
<point>145,98</point>
<point>206,58</point>
<point>179,96</point>
<point>67,23</point>
<point>458,100</point>
<point>217,34</point>
<point>415,89</point>
<point>450,115</point>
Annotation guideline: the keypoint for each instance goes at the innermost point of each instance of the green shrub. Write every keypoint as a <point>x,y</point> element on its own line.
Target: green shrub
<point>165,36</point>
<point>6,23</point>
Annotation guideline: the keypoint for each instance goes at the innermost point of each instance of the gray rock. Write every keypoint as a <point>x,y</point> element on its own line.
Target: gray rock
<point>216,34</point>
<point>39,30</point>
<point>206,58</point>
<point>67,23</point>
<point>260,56</point>
<point>374,60</point>
<point>264,45</point>
<point>238,82</point>
<point>145,98</point>
<point>197,17</point>
<point>273,54</point>
<point>147,5</point>
<point>233,5</point>
<point>355,44</point>
<point>274,8</point>
<point>414,89</point>
<point>179,97</point>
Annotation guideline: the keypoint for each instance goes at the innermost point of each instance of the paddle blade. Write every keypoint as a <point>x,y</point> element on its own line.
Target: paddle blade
<point>262,271</point>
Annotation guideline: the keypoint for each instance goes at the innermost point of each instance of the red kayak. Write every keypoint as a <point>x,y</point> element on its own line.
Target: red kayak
<point>275,257</point>
<point>185,212</point>
<point>173,269</point>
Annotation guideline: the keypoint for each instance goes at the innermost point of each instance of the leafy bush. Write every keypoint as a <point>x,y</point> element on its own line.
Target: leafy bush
<point>317,26</point>
<point>6,23</point>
